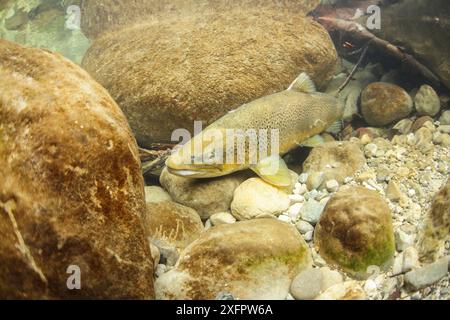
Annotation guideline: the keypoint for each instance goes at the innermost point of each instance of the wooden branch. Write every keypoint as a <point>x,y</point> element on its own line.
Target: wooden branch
<point>156,157</point>
<point>360,33</point>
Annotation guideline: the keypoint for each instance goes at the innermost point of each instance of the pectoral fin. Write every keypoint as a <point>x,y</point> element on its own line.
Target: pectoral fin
<point>313,142</point>
<point>274,171</point>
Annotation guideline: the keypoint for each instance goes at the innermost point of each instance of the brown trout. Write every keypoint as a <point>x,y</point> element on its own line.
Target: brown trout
<point>291,118</point>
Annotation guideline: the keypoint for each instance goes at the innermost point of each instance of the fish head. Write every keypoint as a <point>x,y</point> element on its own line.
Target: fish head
<point>202,157</point>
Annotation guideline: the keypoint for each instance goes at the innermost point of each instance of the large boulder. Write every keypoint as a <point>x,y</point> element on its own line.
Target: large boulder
<point>71,189</point>
<point>207,196</point>
<point>355,232</point>
<point>254,260</point>
<point>168,72</point>
<point>100,16</point>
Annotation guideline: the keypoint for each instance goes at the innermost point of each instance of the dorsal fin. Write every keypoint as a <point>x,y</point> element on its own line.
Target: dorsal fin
<point>303,83</point>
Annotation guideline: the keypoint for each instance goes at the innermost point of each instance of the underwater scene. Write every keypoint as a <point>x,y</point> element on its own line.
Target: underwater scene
<point>225,150</point>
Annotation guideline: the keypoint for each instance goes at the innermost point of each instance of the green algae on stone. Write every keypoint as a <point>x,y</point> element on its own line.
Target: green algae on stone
<point>355,232</point>
<point>244,259</point>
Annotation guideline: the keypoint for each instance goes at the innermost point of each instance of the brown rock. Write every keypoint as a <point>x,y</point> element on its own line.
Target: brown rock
<point>355,231</point>
<point>99,16</point>
<point>385,103</point>
<point>420,122</point>
<point>254,260</point>
<point>166,74</point>
<point>333,161</point>
<point>437,226</point>
<point>173,225</point>
<point>207,196</point>
<point>71,189</point>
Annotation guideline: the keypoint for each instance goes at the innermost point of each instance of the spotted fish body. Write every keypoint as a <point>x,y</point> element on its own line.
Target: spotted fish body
<point>299,114</point>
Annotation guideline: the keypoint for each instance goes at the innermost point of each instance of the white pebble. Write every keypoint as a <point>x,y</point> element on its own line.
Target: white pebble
<point>296,198</point>
<point>308,236</point>
<point>294,211</point>
<point>284,218</point>
<point>303,178</point>
<point>332,185</point>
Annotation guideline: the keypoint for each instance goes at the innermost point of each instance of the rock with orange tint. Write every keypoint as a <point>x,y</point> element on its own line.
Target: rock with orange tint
<point>171,224</point>
<point>385,103</point>
<point>71,189</point>
<point>256,260</point>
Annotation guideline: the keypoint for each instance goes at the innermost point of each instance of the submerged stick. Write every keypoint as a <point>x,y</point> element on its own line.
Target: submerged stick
<point>355,68</point>
<point>360,33</point>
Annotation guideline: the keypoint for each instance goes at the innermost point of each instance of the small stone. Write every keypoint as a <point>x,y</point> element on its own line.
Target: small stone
<point>294,211</point>
<point>410,260</point>
<point>428,275</point>
<point>296,198</point>
<point>421,122</point>
<point>284,218</point>
<point>257,199</point>
<point>311,211</point>
<point>154,194</point>
<point>225,296</point>
<point>445,118</point>
<point>308,236</point>
<point>444,129</point>
<point>427,101</point>
<point>301,190</point>
<point>404,126</point>
<point>160,270</point>
<point>403,240</point>
<point>169,254</point>
<point>222,218</point>
<point>304,227</point>
<point>312,282</point>
<point>156,255</point>
<point>446,140</point>
<point>315,180</point>
<point>397,267</point>
<point>350,290</point>
<point>208,224</point>
<point>303,178</point>
<point>393,192</point>
<point>423,136</point>
<point>332,186</point>
<point>370,150</point>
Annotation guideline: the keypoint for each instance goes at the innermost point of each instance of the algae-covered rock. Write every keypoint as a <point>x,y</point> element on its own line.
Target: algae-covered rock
<point>385,103</point>
<point>254,260</point>
<point>168,72</point>
<point>207,196</point>
<point>71,189</point>
<point>355,231</point>
<point>436,229</point>
<point>172,225</point>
